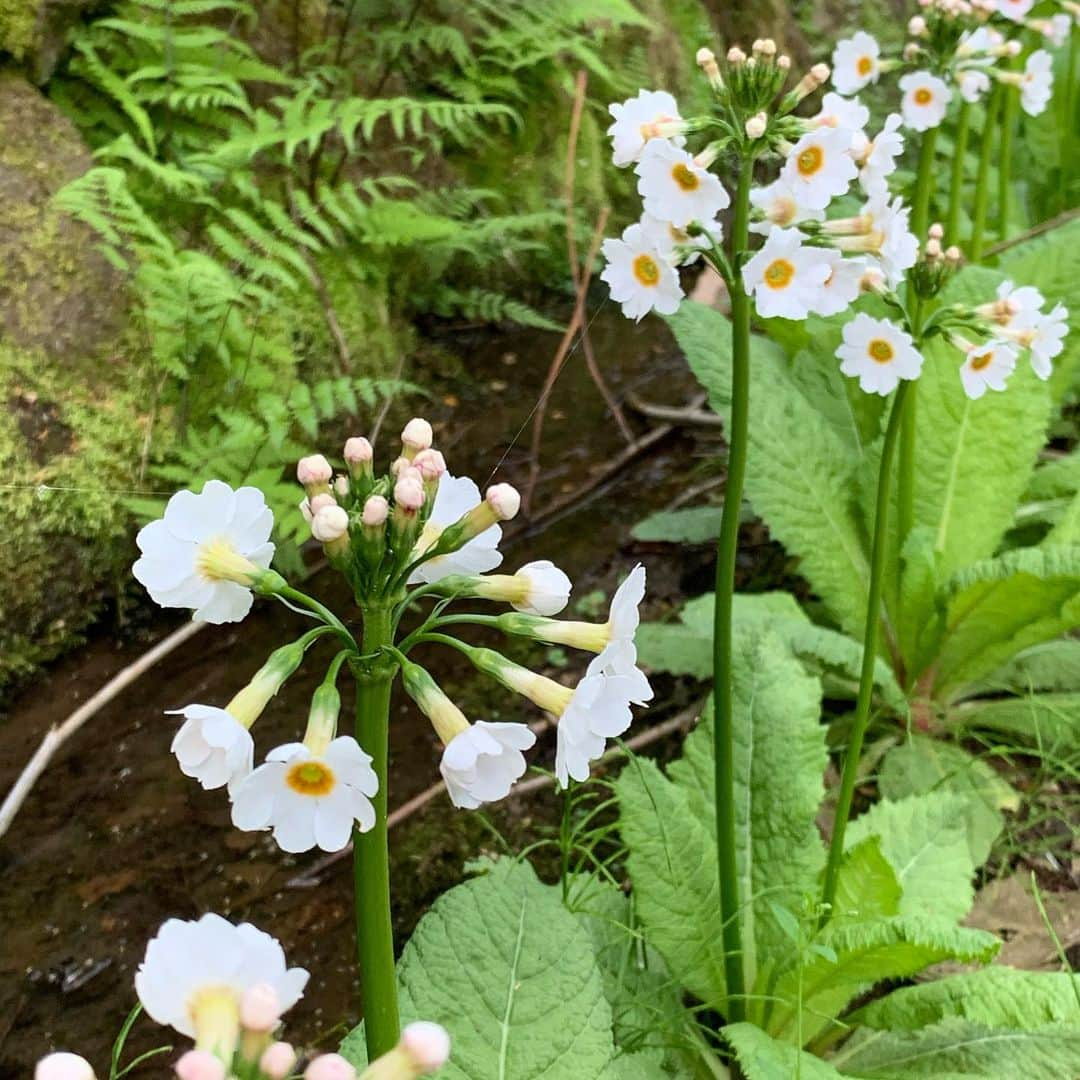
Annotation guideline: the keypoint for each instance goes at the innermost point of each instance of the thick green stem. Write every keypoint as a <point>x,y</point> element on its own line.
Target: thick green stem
<point>956,179</point>
<point>982,177</point>
<point>727,548</point>
<point>924,186</point>
<point>371,856</point>
<point>1009,111</point>
<point>870,645</point>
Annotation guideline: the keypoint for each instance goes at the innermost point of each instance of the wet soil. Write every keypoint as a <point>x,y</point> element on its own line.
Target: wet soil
<point>113,839</point>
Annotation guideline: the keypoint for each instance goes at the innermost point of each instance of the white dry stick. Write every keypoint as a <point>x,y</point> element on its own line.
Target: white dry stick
<point>59,734</point>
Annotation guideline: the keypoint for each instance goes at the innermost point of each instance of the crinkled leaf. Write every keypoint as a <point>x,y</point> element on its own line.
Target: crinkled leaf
<point>1050,722</point>
<point>693,525</point>
<point>866,887</point>
<point>762,1057</point>
<point>1053,665</point>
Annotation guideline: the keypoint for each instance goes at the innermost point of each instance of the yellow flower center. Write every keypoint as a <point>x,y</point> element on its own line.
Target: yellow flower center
<point>646,270</point>
<point>923,96</point>
<point>310,778</point>
<point>215,1016</point>
<point>982,360</point>
<point>778,274</point>
<point>880,350</point>
<point>218,560</point>
<point>810,161</point>
<point>685,177</point>
<point>864,65</point>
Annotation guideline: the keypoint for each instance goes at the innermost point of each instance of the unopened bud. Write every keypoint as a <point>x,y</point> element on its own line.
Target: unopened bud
<point>416,436</point>
<point>277,1061</point>
<point>329,1067</point>
<point>63,1066</point>
<point>953,255</point>
<point>916,26</point>
<point>735,55</point>
<point>431,465</point>
<point>706,59</point>
<point>872,280</point>
<point>375,512</point>
<point>936,231</point>
<point>427,1044</point>
<point>398,464</point>
<point>317,502</point>
<point>1012,48</point>
<point>314,473</point>
<point>409,492</point>
<point>755,126</point>
<point>933,249</point>
<point>200,1065</point>
<point>358,451</point>
<point>911,52</point>
<point>783,62</point>
<point>341,487</point>
<point>329,524</point>
<point>768,47</point>
<point>260,1007</point>
<point>814,78</point>
<point>705,56</point>
<point>504,501</point>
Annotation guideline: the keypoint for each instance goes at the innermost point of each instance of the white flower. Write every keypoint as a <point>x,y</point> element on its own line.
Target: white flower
<point>640,276</point>
<point>1043,335</point>
<point>675,244</point>
<point>309,800</point>
<point>925,100</point>
<point>855,63</point>
<point>212,746</point>
<point>547,589</point>
<point>841,288</point>
<point>481,764</point>
<point>886,235</point>
<point>780,206</point>
<point>194,973</point>
<point>785,277</point>
<point>598,710</point>
<point>877,159</point>
<point>1013,303</point>
<point>63,1066</point>
<point>879,352</point>
<point>206,550</point>
<point>819,166</point>
<point>1014,9</point>
<point>617,660</point>
<point>456,495</point>
<point>1056,29</point>
<point>674,188</point>
<point>981,41</point>
<point>972,84</point>
<point>987,366</point>
<point>841,112</point>
<point>1037,82</point>
<point>634,121</point>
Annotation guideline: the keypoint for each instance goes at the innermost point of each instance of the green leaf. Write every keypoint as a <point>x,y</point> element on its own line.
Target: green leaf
<point>924,838</point>
<point>1049,722</point>
<point>997,996</point>
<point>1053,665</point>
<point>800,475</point>
<point>762,1057</point>
<point>866,887</point>
<point>922,764</point>
<point>694,525</point>
<point>918,616</point>
<point>481,964</point>
<point>956,1046</point>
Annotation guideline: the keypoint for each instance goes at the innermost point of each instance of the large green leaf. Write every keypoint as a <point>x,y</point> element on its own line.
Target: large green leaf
<point>762,1057</point>
<point>999,607</point>
<point>997,996</point>
<point>866,887</point>
<point>1049,722</point>
<point>921,764</point>
<point>924,838</point>
<point>692,525</point>
<point>800,472</point>
<point>1053,665</point>
<point>956,1046</point>
<point>511,974</point>
<point>866,954</point>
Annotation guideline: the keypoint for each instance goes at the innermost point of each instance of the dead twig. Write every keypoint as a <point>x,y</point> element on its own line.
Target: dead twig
<point>1030,234</point>
<point>676,414</point>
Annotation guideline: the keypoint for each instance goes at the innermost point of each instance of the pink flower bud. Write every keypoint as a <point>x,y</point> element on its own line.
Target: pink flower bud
<point>755,126</point>
<point>735,55</point>
<point>313,470</point>
<point>933,249</point>
<point>317,502</point>
<point>277,1060</point>
<point>63,1066</point>
<point>936,231</point>
<point>260,1008</point>
<point>375,512</point>
<point>916,26</point>
<point>427,1044</point>
<point>329,1067</point>
<point>705,56</point>
<point>953,254</point>
<point>783,62</point>
<point>409,493</point>
<point>417,435</point>
<point>341,487</point>
<point>504,501</point>
<point>431,464</point>
<point>358,451</point>
<point>398,464</point>
<point>820,72</point>
<point>200,1065</point>
<point>329,524</point>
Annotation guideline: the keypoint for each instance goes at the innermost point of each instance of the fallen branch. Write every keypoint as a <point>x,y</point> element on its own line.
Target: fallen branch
<point>1030,234</point>
<point>676,414</point>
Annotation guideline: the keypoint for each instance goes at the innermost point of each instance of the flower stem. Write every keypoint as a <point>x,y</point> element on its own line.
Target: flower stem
<point>727,549</point>
<point>982,177</point>
<point>870,644</point>
<point>1009,110</point>
<point>956,180</point>
<point>371,856</point>
<point>1066,172</point>
<point>924,186</point>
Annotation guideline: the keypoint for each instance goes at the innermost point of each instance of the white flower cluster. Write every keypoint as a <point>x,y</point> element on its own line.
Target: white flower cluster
<point>227,987</point>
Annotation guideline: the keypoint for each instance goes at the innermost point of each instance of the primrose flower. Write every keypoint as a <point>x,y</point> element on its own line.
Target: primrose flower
<point>675,244</point>
<point>213,747</point>
<point>455,497</point>
<point>309,799</point>
<point>785,277</point>
<point>652,114</point>
<point>640,276</point>
<point>1013,302</point>
<point>877,158</point>
<point>1043,335</point>
<point>841,112</point>
<point>879,352</point>
<point>779,204</point>
<point>856,62</point>
<point>208,552</point>
<point>675,188</point>
<point>194,974</point>
<point>819,167</point>
<point>63,1066</point>
<point>925,100</point>
<point>1056,29</point>
<point>843,285</point>
<point>1037,82</point>
<point>1014,9</point>
<point>538,588</point>
<point>972,84</point>
<point>881,230</point>
<point>986,367</point>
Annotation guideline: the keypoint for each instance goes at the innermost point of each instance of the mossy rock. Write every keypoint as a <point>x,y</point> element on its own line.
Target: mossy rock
<point>34,32</point>
<point>71,428</point>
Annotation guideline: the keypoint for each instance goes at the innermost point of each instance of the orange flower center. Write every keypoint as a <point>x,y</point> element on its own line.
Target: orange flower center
<point>685,177</point>
<point>982,360</point>
<point>864,65</point>
<point>646,270</point>
<point>922,96</point>
<point>310,778</point>
<point>778,274</point>
<point>810,161</point>
<point>880,350</point>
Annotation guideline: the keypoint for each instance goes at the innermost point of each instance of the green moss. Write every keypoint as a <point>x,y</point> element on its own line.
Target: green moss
<point>18,26</point>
